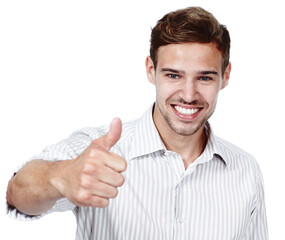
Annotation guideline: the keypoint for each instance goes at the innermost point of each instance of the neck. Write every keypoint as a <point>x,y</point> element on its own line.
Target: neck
<point>188,147</point>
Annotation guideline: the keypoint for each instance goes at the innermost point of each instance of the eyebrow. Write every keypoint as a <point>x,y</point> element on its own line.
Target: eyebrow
<point>208,72</point>
<point>172,70</point>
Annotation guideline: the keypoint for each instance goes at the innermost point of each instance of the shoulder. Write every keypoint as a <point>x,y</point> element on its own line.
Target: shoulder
<point>235,155</point>
<point>80,139</point>
<point>241,163</point>
<point>92,133</point>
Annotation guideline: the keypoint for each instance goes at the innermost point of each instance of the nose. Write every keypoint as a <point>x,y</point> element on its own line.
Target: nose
<point>189,91</point>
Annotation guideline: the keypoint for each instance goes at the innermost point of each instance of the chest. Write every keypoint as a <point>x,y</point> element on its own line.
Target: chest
<point>159,200</point>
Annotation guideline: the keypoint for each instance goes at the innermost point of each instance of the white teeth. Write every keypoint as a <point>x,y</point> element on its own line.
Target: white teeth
<point>186,111</point>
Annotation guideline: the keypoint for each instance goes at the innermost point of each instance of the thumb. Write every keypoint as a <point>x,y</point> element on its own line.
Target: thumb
<point>113,136</point>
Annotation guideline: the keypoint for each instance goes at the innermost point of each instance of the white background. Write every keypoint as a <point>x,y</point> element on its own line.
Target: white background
<point>70,64</point>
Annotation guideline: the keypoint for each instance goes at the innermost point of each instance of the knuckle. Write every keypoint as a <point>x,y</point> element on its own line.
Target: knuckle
<point>83,197</point>
<point>123,165</point>
<point>85,183</point>
<point>111,192</point>
<point>97,156</point>
<point>94,152</point>
<point>114,193</point>
<point>88,168</point>
<point>120,180</point>
<point>101,202</point>
<point>91,168</point>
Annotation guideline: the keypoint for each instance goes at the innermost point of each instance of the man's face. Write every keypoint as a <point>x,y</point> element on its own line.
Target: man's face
<point>188,78</point>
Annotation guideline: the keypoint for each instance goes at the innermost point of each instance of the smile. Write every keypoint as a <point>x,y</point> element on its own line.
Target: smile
<point>186,111</point>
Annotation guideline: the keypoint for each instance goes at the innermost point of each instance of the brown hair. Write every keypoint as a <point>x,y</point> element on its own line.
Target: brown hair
<point>193,24</point>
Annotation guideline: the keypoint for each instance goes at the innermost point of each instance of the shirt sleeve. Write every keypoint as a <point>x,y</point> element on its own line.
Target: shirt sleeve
<point>257,229</point>
<point>64,150</point>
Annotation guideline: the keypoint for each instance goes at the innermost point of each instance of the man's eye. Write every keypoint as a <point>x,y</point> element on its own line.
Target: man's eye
<point>204,78</point>
<point>174,76</point>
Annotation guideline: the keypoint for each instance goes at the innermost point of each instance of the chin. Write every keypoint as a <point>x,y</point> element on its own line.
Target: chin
<point>187,130</point>
<point>184,128</point>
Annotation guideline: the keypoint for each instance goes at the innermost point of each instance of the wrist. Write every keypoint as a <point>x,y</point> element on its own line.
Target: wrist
<point>57,178</point>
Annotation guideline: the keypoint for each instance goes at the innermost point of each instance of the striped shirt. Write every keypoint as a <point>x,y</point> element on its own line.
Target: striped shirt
<point>218,197</point>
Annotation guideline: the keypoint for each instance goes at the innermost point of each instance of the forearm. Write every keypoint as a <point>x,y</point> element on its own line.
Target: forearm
<point>90,179</point>
<point>30,190</point>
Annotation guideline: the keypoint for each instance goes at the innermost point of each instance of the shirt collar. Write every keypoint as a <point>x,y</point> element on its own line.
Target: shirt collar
<point>213,148</point>
<point>146,140</point>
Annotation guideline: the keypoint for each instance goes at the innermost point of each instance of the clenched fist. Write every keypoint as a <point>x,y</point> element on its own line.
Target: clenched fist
<point>93,177</point>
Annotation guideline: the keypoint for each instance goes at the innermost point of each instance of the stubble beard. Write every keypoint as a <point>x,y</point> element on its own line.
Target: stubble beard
<point>185,130</point>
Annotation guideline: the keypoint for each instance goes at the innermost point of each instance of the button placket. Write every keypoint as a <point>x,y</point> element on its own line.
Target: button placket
<point>174,162</point>
<point>178,204</point>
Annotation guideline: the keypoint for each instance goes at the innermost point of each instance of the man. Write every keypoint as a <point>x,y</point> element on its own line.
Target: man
<point>165,175</point>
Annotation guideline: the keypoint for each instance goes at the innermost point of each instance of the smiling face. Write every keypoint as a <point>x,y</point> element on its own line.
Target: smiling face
<point>188,78</point>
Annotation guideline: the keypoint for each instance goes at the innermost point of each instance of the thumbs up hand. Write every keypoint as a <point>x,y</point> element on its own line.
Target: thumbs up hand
<point>93,177</point>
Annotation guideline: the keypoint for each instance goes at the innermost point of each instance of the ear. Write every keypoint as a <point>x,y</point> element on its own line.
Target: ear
<point>226,76</point>
<point>150,71</point>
